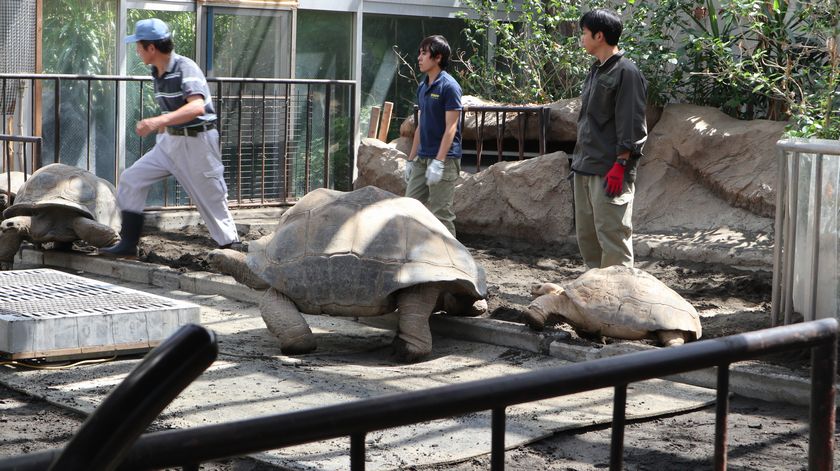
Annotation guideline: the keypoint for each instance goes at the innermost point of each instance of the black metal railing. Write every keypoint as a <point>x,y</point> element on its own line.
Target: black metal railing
<point>504,122</point>
<point>280,138</point>
<point>196,445</point>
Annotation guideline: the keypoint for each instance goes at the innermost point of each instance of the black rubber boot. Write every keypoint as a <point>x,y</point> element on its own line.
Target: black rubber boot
<point>132,225</point>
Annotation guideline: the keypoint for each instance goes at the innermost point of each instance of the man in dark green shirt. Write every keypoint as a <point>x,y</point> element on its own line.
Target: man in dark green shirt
<point>611,134</point>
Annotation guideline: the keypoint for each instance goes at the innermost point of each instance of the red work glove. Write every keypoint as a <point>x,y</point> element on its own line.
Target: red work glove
<point>614,180</point>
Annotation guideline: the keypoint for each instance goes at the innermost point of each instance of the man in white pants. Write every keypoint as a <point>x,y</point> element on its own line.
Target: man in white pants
<point>187,143</point>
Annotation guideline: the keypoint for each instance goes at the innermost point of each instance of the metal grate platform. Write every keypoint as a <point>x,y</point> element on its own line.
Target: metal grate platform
<point>51,314</point>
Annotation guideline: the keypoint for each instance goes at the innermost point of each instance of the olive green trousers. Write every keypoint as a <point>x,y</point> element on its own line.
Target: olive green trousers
<point>439,197</point>
<point>603,224</point>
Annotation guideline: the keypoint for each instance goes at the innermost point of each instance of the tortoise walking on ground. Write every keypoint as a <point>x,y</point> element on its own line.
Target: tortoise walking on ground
<point>362,253</point>
<point>620,302</point>
<point>60,204</point>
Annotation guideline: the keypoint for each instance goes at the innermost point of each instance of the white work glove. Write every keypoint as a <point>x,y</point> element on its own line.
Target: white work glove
<point>409,167</point>
<point>434,172</point>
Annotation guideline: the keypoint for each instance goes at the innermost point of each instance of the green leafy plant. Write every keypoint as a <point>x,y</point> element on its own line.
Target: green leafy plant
<point>536,56</point>
<point>648,39</point>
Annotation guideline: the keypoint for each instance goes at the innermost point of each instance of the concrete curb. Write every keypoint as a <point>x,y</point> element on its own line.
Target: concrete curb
<point>759,381</point>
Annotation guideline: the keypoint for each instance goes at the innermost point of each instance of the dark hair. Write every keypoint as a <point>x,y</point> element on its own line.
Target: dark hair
<point>163,45</point>
<point>604,21</point>
<point>437,46</point>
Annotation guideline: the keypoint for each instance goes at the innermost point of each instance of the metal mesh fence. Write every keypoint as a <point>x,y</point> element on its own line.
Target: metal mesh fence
<point>17,46</point>
<point>279,138</point>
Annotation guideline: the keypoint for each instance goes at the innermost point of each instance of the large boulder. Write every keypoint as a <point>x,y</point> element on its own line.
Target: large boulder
<point>528,200</point>
<point>381,165</point>
<point>703,173</point>
<point>669,199</point>
<point>734,159</point>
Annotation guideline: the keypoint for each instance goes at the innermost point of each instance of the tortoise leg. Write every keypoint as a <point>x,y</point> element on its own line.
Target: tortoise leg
<point>232,262</point>
<point>9,244</point>
<point>671,338</point>
<point>95,233</point>
<point>283,319</point>
<point>414,337</point>
<point>14,231</point>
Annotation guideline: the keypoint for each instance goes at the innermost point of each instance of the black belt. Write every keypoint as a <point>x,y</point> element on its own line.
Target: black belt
<point>190,131</point>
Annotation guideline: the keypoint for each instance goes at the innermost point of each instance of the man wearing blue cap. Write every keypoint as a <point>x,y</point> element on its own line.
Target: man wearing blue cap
<point>187,143</point>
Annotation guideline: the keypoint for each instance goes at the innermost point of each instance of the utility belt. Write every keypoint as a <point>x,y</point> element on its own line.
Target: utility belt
<point>191,131</point>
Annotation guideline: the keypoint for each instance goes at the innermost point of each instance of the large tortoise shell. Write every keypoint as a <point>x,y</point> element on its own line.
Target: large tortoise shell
<point>346,251</point>
<point>63,186</point>
<point>630,297</point>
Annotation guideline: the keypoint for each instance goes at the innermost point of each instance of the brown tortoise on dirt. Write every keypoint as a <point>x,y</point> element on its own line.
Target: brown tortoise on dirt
<point>60,204</point>
<point>362,253</point>
<point>620,302</point>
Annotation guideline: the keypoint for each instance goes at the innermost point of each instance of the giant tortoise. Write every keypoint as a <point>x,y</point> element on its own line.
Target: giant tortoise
<point>60,204</point>
<point>620,302</point>
<point>362,253</point>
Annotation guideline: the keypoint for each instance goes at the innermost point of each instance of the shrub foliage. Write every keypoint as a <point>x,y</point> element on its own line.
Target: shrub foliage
<point>753,59</point>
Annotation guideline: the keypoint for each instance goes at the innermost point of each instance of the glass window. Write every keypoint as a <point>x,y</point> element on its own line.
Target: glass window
<point>386,76</point>
<point>79,37</point>
<point>324,45</point>
<point>249,43</point>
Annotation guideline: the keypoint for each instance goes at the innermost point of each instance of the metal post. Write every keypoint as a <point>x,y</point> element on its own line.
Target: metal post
<point>811,313</point>
<point>287,136</point>
<point>790,239</point>
<point>497,440</point>
<point>357,451</point>
<point>307,159</point>
<point>264,156</point>
<point>327,131</point>
<point>87,133</point>
<point>545,121</point>
<point>57,117</point>
<point>721,416</point>
<point>239,144</point>
<point>823,391</point>
<point>779,236</point>
<point>617,439</point>
<point>479,140</point>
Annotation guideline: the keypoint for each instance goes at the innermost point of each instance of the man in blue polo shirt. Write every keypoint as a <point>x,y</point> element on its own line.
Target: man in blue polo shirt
<point>434,162</point>
<point>187,143</point>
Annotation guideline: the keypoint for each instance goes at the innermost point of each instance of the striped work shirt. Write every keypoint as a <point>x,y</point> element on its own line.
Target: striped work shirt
<point>182,79</point>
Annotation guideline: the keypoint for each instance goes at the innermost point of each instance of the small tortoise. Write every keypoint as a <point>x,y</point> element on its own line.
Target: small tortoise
<point>620,302</point>
<point>10,182</point>
<point>60,204</point>
<point>362,253</point>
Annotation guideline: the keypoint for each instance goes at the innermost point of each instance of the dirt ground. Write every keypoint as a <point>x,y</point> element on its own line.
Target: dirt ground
<point>761,435</point>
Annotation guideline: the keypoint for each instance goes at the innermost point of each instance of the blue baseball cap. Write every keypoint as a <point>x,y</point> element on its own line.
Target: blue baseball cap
<point>151,29</point>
